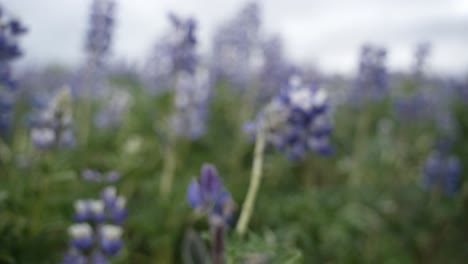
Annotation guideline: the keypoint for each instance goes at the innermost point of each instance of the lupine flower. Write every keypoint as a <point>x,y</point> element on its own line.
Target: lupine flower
<point>95,176</point>
<point>82,211</point>
<point>191,103</point>
<point>81,236</point>
<point>296,120</point>
<point>97,234</point>
<point>442,171</point>
<point>111,115</point>
<point>53,127</point>
<point>101,23</point>
<point>207,195</point>
<point>275,71</point>
<point>236,45</point>
<point>10,30</point>
<point>98,43</point>
<point>110,237</point>
<point>371,82</point>
<point>421,55</point>
<point>172,54</point>
<point>182,44</point>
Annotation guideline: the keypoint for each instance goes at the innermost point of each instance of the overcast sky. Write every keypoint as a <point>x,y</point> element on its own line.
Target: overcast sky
<point>327,32</point>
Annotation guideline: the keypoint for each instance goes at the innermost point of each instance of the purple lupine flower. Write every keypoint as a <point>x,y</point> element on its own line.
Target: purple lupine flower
<point>118,212</point>
<point>97,234</point>
<point>98,258</point>
<point>100,31</point>
<point>371,82</point>
<point>172,54</point>
<point>191,104</point>
<point>53,128</point>
<point>82,211</point>
<point>97,46</point>
<point>235,46</point>
<point>73,257</point>
<point>417,106</point>
<point>275,71</point>
<point>110,237</point>
<point>115,206</point>
<point>297,120</point>
<point>81,236</point>
<point>91,175</point>
<point>111,115</point>
<point>97,177</point>
<point>207,195</point>
<point>442,171</point>
<point>10,30</point>
<point>421,54</point>
<point>182,44</point>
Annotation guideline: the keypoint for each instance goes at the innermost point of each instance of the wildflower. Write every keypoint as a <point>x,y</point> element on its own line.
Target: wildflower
<point>297,120</point>
<point>98,43</point>
<point>95,176</point>
<point>81,235</point>
<point>442,171</point>
<point>371,82</point>
<point>97,234</point>
<point>10,30</point>
<point>54,126</point>
<point>191,103</point>
<point>110,237</point>
<point>236,45</point>
<point>173,54</point>
<point>207,195</point>
<point>111,115</point>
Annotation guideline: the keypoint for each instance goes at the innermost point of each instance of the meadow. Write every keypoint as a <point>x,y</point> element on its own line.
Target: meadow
<point>368,168</point>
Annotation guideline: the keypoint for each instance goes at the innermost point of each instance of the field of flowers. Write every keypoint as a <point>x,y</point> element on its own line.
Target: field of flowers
<point>237,156</point>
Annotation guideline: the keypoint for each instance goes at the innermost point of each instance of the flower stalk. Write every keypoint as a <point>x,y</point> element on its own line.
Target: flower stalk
<point>255,180</point>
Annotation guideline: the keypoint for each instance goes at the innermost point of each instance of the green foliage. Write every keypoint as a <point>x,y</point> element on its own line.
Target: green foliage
<point>362,205</point>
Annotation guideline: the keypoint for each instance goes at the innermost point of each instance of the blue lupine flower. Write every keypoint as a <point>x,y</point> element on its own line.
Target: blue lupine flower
<point>275,71</point>
<point>53,128</point>
<point>10,30</point>
<point>182,44</point>
<point>81,236</point>
<point>74,257</point>
<point>115,205</point>
<point>97,229</point>
<point>191,104</point>
<point>207,194</point>
<point>442,171</point>
<point>82,211</point>
<point>173,54</point>
<point>235,46</point>
<point>110,237</point>
<point>421,55</point>
<point>99,258</point>
<point>110,116</point>
<point>97,46</point>
<point>297,120</point>
<point>97,177</point>
<point>100,31</point>
<point>371,82</point>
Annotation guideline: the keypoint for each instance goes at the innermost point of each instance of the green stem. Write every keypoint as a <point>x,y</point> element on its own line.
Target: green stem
<point>255,179</point>
<point>169,168</point>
